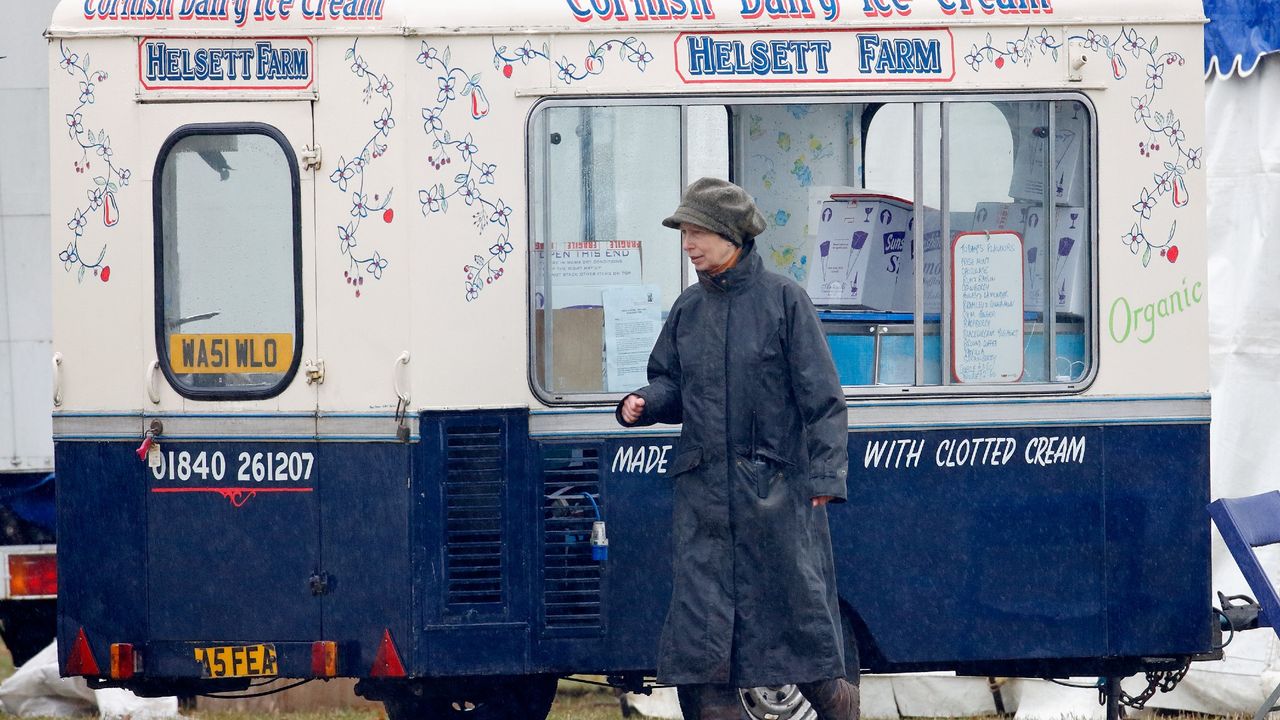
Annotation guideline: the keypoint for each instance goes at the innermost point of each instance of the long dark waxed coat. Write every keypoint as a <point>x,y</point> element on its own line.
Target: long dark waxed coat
<point>743,363</point>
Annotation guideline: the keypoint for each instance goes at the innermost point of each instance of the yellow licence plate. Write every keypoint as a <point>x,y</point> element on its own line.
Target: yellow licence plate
<point>233,661</point>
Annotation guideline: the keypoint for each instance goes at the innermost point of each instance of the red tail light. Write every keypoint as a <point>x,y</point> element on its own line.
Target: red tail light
<point>80,661</point>
<point>324,658</point>
<point>33,575</point>
<point>387,662</point>
<point>123,661</point>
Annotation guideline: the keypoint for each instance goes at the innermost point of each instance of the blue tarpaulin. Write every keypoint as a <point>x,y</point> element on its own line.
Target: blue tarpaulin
<point>1239,33</point>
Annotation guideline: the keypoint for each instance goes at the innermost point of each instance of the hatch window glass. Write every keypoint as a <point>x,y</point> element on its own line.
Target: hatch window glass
<point>947,243</point>
<point>227,254</point>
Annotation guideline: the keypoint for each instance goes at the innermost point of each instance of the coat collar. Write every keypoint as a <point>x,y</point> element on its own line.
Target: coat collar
<point>737,278</point>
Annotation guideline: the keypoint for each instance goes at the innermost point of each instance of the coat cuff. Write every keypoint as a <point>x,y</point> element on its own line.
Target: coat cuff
<point>832,485</point>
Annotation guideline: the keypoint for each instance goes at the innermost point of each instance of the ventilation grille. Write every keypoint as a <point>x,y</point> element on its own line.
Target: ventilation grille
<point>473,492</point>
<point>571,579</point>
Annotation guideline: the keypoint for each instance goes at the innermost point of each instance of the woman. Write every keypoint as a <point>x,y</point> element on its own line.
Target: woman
<point>743,363</point>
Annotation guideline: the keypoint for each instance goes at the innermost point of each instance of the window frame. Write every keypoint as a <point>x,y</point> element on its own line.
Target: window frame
<point>1091,334</point>
<point>158,209</point>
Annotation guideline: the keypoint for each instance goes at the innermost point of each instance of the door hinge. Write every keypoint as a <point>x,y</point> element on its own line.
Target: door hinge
<point>312,156</point>
<point>314,370</point>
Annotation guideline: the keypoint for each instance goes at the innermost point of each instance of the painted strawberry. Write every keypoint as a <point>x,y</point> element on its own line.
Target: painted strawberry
<point>106,273</point>
<point>999,62</point>
<point>1172,254</point>
<point>388,215</point>
<point>506,70</point>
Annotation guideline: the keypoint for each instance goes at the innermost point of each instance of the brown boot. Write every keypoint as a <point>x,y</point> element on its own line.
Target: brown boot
<point>709,702</point>
<point>835,699</point>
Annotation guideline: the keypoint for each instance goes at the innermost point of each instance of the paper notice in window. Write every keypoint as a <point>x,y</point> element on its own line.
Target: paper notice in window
<point>632,321</point>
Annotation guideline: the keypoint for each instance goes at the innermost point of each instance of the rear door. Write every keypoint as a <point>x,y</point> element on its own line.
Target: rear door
<point>233,508</point>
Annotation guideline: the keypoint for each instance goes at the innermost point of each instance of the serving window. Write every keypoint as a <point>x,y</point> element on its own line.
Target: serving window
<point>947,244</point>
<point>228,261</point>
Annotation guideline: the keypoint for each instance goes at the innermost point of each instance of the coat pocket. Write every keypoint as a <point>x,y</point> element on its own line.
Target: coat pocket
<point>686,460</point>
<point>765,470</point>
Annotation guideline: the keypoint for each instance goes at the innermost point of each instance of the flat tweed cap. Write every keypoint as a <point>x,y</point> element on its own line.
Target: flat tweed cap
<point>721,207</point>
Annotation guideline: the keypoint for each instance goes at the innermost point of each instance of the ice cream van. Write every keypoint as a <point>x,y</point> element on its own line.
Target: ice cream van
<point>346,291</point>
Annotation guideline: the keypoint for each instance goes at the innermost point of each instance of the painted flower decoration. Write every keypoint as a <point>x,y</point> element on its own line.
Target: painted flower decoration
<point>95,197</point>
<point>502,248</point>
<point>376,265</point>
<point>468,191</point>
<point>446,89</point>
<point>86,93</point>
<point>1145,204</point>
<point>1141,111</point>
<point>486,173</point>
<point>641,57</point>
<point>346,238</point>
<point>360,66</point>
<point>525,53</point>
<point>1193,157</point>
<point>500,214</point>
<point>68,258</point>
<point>427,55</point>
<point>431,121</point>
<point>69,60</point>
<point>1093,40</point>
<point>344,173</point>
<point>430,198</point>
<point>974,58</point>
<point>384,86</point>
<point>75,122</point>
<point>1134,238</point>
<point>467,147</point>
<point>359,205</point>
<point>1174,131</point>
<point>1155,76</point>
<point>77,222</point>
<point>385,123</point>
<point>567,70</point>
<point>1130,41</point>
<point>124,176</point>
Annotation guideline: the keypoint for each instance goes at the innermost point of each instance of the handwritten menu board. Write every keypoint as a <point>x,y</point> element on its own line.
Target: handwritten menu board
<point>986,307</point>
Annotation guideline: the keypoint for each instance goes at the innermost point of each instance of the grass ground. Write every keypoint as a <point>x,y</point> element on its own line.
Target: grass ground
<point>575,701</point>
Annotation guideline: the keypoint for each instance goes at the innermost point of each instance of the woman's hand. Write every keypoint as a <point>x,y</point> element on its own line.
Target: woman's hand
<point>632,408</point>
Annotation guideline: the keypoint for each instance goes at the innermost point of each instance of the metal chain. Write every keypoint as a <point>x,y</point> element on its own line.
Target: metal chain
<point>1157,681</point>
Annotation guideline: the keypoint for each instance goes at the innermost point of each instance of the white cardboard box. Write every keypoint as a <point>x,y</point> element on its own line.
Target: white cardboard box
<point>1067,250</point>
<point>1031,147</point>
<point>862,247</point>
<point>905,296</point>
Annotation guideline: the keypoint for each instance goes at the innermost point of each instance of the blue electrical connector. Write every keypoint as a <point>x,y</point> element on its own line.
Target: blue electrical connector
<point>599,540</point>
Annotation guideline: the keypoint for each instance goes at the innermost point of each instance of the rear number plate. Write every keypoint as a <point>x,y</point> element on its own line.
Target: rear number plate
<point>234,661</point>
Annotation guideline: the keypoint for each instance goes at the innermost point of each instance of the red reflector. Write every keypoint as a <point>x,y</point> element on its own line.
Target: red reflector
<point>387,662</point>
<point>123,661</point>
<point>324,658</point>
<point>31,575</point>
<point>80,661</point>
